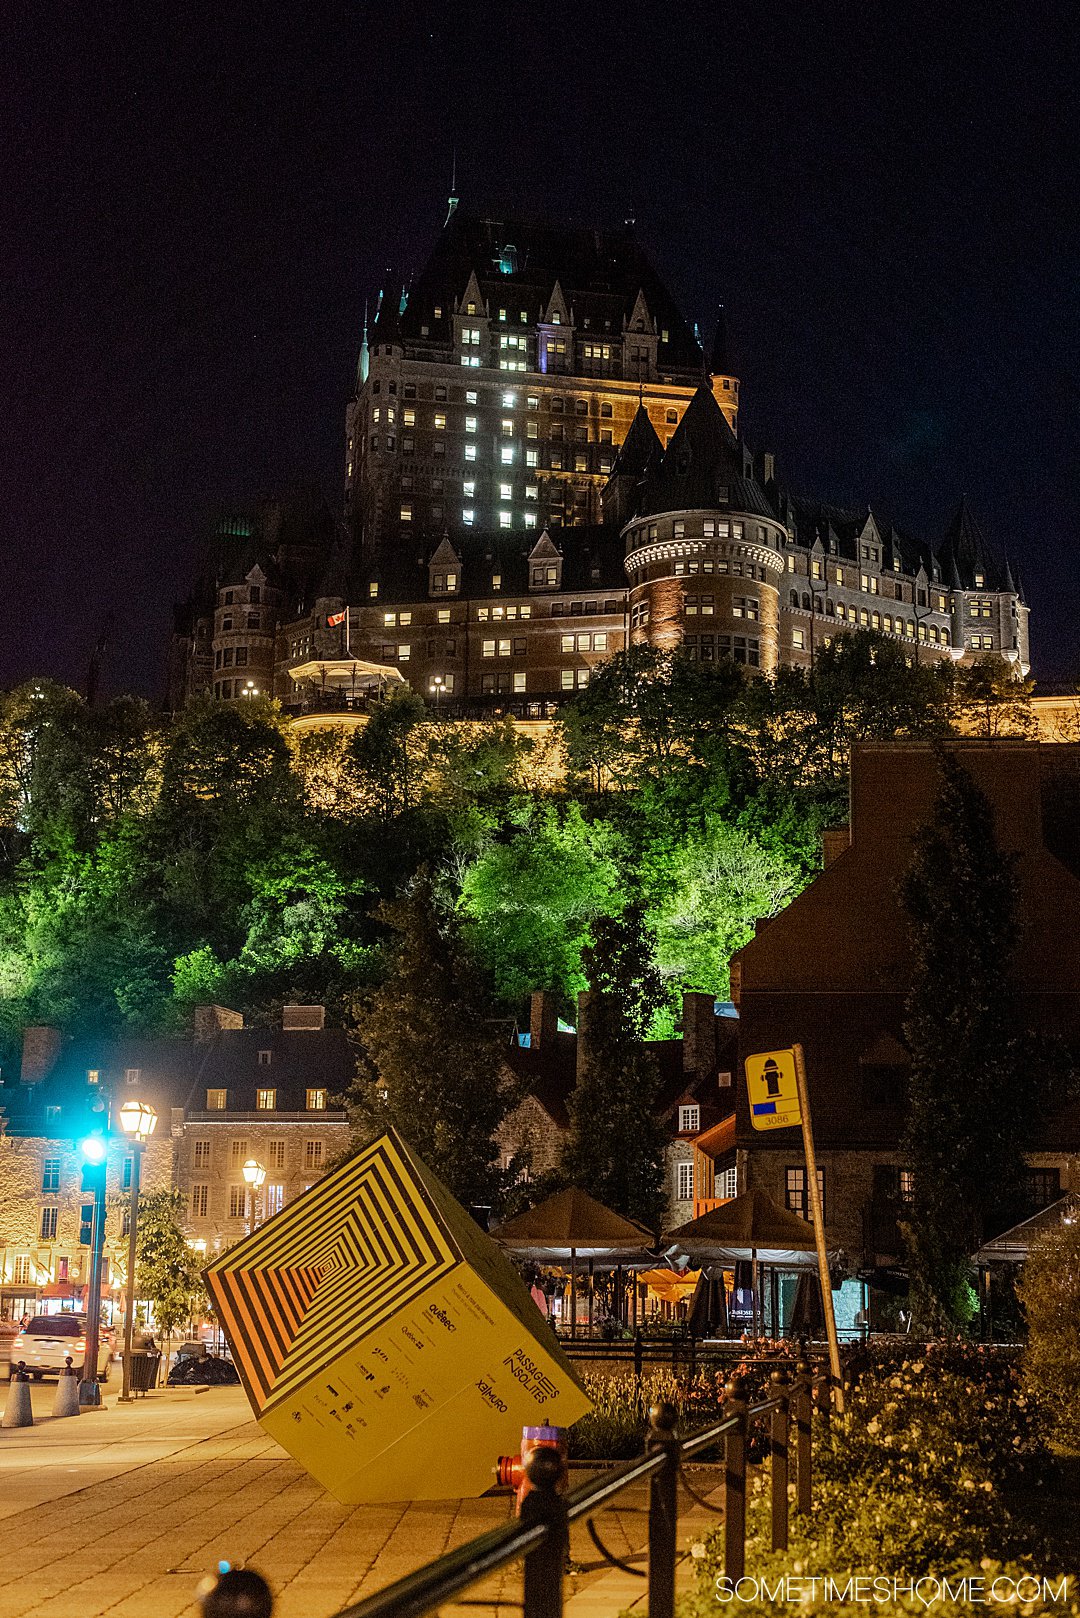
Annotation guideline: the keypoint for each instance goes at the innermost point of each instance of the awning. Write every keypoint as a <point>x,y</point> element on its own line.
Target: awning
<point>343,672</point>
<point>749,1227</point>
<point>1013,1246</point>
<point>573,1224</point>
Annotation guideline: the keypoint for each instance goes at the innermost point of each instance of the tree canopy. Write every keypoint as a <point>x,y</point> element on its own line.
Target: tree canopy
<point>148,863</point>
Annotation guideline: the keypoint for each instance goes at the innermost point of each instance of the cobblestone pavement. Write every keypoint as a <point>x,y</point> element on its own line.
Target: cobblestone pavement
<point>121,1511</point>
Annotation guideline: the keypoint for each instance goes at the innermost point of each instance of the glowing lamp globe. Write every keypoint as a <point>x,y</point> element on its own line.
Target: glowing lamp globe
<point>138,1120</point>
<point>254,1173</point>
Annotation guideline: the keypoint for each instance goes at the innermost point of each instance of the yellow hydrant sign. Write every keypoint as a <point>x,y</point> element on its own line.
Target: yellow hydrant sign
<point>384,1340</point>
<point>773,1090</point>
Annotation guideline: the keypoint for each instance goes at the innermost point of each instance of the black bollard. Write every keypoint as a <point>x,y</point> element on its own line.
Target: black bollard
<point>237,1593</point>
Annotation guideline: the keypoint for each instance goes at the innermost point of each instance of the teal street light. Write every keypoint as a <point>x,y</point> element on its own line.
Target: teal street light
<point>138,1121</point>
<point>94,1151</point>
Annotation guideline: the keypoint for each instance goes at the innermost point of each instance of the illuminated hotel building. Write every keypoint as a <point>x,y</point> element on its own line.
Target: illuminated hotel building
<point>542,467</point>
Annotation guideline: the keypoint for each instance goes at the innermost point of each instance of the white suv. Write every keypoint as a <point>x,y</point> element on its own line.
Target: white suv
<point>44,1344</point>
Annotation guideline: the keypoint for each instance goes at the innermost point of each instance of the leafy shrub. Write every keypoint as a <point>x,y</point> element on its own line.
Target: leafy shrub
<point>1050,1293</point>
<point>908,1482</point>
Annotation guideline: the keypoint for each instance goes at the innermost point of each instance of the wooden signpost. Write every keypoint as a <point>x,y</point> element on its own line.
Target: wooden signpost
<point>779,1099</point>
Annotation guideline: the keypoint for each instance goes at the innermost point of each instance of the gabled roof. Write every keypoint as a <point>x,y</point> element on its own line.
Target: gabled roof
<point>704,466</point>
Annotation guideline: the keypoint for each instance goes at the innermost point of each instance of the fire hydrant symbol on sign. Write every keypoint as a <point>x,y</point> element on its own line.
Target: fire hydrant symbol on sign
<point>772,1090</point>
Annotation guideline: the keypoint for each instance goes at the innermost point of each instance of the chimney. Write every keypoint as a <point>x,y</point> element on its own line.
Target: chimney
<point>698,1033</point>
<point>543,1018</point>
<point>41,1047</point>
<point>211,1020</point>
<point>302,1019</point>
<point>833,843</point>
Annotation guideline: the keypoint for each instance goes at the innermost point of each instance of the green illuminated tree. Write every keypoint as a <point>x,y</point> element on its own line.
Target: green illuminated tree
<point>967,1112</point>
<point>166,1272</point>
<point>531,900</point>
<point>707,891</point>
<point>430,1062</point>
<point>390,753</point>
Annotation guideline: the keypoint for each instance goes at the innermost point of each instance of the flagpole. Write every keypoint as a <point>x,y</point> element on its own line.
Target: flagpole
<point>817,1214</point>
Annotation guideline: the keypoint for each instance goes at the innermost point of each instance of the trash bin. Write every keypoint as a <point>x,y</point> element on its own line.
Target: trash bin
<point>142,1370</point>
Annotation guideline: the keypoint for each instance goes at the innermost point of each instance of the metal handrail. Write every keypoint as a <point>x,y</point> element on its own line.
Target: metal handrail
<point>540,1534</point>
<point>418,1592</point>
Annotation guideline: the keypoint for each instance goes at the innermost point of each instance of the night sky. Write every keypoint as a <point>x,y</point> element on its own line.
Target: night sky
<point>197,200</point>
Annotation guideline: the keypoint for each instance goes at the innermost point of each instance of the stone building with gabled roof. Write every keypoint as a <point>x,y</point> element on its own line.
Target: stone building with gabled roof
<point>832,972</point>
<point>695,1094</point>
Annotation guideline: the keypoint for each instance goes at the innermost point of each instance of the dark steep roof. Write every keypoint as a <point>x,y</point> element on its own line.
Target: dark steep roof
<point>517,264</point>
<point>403,575</point>
<point>965,554</point>
<point>704,466</point>
<point>640,449</point>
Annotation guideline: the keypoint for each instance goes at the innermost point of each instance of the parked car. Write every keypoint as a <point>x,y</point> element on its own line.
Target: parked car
<point>44,1344</point>
<point>9,1330</point>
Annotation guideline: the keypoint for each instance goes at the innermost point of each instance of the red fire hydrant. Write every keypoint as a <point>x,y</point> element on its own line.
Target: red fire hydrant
<point>510,1470</point>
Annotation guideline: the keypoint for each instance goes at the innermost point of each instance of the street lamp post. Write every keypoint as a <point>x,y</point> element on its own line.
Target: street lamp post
<point>254,1174</point>
<point>438,685</point>
<point>95,1158</point>
<point>138,1121</point>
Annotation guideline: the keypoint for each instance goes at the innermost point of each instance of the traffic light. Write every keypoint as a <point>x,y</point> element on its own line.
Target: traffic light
<point>94,1151</point>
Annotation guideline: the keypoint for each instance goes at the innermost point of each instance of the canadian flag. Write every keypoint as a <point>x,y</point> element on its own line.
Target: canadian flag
<point>335,618</point>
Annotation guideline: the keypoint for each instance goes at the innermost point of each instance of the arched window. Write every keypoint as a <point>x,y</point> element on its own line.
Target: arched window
<point>829,608</point>
<point>806,601</point>
<point>795,598</point>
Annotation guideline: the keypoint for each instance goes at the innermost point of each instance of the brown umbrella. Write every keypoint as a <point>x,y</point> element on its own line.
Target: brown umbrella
<point>748,1227</point>
<point>572,1225</point>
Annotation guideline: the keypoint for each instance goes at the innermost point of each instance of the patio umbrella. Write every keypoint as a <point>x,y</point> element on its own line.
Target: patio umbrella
<point>807,1314</point>
<point>708,1307</point>
<point>572,1225</point>
<point>749,1227</point>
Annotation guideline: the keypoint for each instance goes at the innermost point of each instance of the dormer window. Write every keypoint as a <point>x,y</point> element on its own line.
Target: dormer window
<point>980,581</point>
<point>556,319</point>
<point>689,1119</point>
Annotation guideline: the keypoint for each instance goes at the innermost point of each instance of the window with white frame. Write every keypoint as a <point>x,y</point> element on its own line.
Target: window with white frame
<point>689,1118</point>
<point>684,1182</point>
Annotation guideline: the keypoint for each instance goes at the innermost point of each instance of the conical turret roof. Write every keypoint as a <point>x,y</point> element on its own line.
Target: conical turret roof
<point>704,466</point>
<point>965,556</point>
<point>640,449</point>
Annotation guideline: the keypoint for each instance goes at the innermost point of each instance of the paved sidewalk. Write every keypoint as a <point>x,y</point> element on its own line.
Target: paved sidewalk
<point>118,1513</point>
